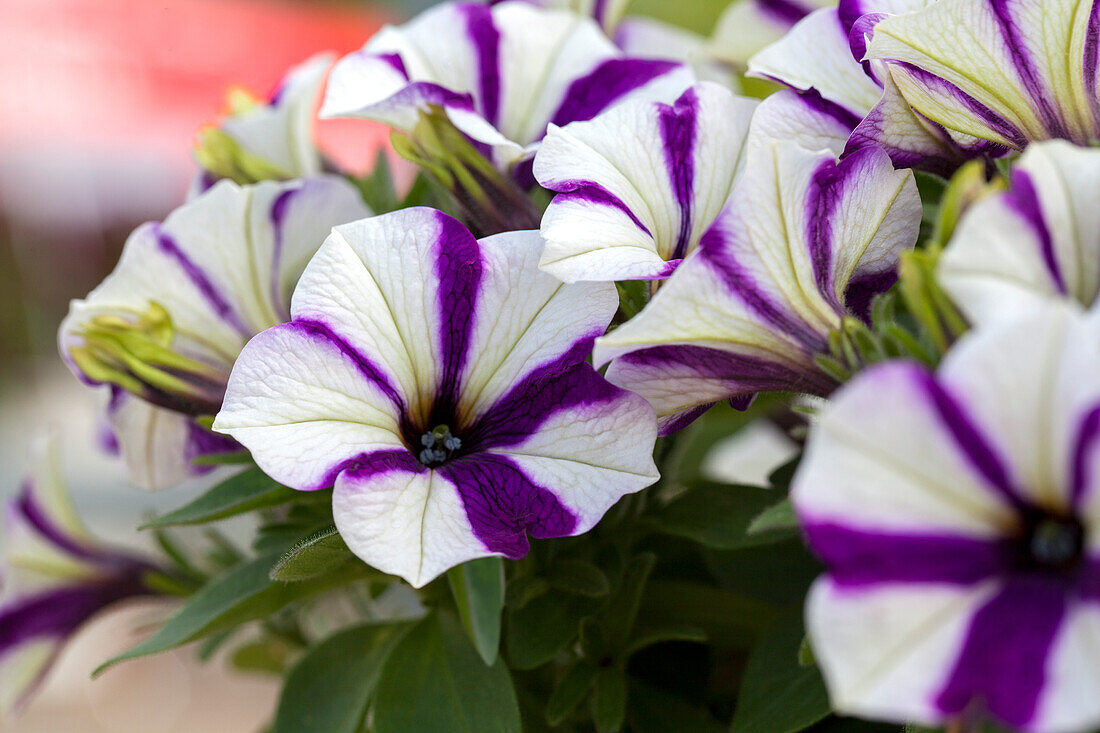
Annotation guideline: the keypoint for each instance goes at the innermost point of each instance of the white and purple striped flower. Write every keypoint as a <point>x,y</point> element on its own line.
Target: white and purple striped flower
<point>55,577</point>
<point>839,101</point>
<point>804,242</point>
<point>638,185</point>
<point>439,383</point>
<point>958,517</point>
<point>267,140</point>
<point>1005,72</point>
<point>1038,241</point>
<point>503,74</point>
<point>165,327</point>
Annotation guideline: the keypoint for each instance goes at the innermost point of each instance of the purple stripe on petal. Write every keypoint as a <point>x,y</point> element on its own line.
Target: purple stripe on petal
<point>676,423</point>
<point>607,83</point>
<point>485,38</point>
<point>503,504</point>
<point>785,11</point>
<point>375,463</point>
<point>970,439</point>
<point>863,288</point>
<point>1018,50</point>
<point>1088,580</point>
<point>322,332</point>
<point>58,613</point>
<point>458,268</point>
<point>27,505</point>
<point>1081,472</point>
<point>565,383</point>
<point>394,60</point>
<point>277,215</point>
<point>1003,660</point>
<point>813,99</point>
<point>938,85</point>
<point>857,558</point>
<point>593,193</point>
<point>1024,199</point>
<point>1091,59</point>
<point>826,189</point>
<point>678,125</point>
<point>202,442</point>
<point>599,11</point>
<point>716,251</point>
<point>210,293</point>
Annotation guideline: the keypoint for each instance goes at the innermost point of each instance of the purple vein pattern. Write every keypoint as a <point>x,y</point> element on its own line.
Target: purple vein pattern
<point>771,277</point>
<point>1033,243</point>
<point>960,563</point>
<point>639,184</point>
<point>440,384</point>
<point>222,267</point>
<point>482,63</point>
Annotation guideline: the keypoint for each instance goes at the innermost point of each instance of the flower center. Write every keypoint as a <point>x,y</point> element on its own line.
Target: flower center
<point>1055,543</point>
<point>439,446</point>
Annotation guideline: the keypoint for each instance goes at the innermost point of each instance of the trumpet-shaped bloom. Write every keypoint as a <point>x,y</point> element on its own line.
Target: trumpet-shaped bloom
<point>267,140</point>
<point>638,185</point>
<point>1004,71</point>
<point>957,514</point>
<point>503,74</point>
<point>803,242</point>
<point>834,101</point>
<point>1038,241</point>
<point>55,577</point>
<point>439,383</point>
<point>165,327</point>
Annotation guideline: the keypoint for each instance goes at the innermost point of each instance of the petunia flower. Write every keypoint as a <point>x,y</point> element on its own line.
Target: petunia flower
<point>837,100</point>
<point>1039,241</point>
<point>266,140</point>
<point>1008,72</point>
<point>803,243</point>
<point>501,73</point>
<point>957,516</point>
<point>638,185</point>
<point>54,578</point>
<point>439,383</point>
<point>165,327</point>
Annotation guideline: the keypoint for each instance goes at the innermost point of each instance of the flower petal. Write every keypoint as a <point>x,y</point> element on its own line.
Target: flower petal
<point>309,403</point>
<point>1068,701</point>
<point>649,177</point>
<point>1037,242</point>
<point>746,26</point>
<point>1024,71</point>
<point>769,281</point>
<point>281,132</point>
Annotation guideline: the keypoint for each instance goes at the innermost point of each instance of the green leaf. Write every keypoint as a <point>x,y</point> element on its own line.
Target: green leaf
<point>569,692</point>
<point>242,594</point>
<point>778,694</point>
<point>728,619</point>
<point>435,682</point>
<point>478,588</point>
<point>609,700</point>
<point>322,552</point>
<point>778,517</point>
<point>268,656</point>
<point>222,459</point>
<point>377,188</point>
<point>330,687</point>
<point>661,634</point>
<point>653,710</point>
<point>244,492</point>
<point>579,577</point>
<point>622,610</point>
<point>718,515</point>
<point>542,628</point>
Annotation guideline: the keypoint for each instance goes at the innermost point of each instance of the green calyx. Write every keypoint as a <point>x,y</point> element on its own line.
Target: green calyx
<point>223,156</point>
<point>967,187</point>
<point>489,201</point>
<point>136,355</point>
